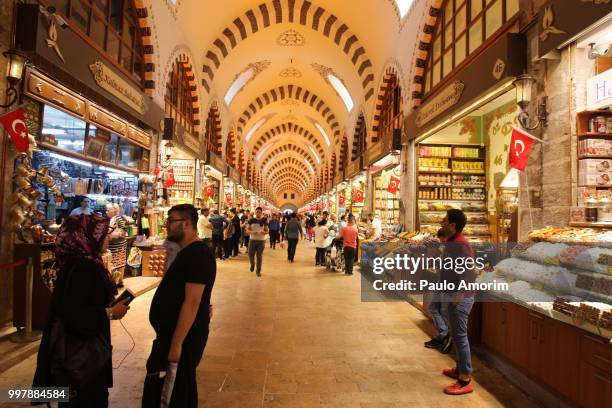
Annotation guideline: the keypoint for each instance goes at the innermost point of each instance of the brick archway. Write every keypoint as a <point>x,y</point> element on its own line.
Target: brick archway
<point>360,138</point>
<point>285,128</point>
<point>230,149</point>
<point>146,29</point>
<point>212,138</point>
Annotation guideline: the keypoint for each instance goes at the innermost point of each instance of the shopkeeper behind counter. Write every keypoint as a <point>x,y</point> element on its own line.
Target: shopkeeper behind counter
<point>82,206</point>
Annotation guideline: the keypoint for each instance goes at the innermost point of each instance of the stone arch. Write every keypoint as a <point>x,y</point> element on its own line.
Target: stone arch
<point>284,128</point>
<point>212,138</point>
<point>146,30</point>
<point>422,47</point>
<point>290,162</point>
<point>390,83</point>
<point>185,61</point>
<point>290,92</point>
<point>230,148</point>
<point>360,137</point>
<point>283,12</point>
<point>287,173</point>
<point>344,154</point>
<point>289,147</point>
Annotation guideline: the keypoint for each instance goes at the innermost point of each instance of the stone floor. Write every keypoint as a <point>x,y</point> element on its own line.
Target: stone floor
<point>300,336</point>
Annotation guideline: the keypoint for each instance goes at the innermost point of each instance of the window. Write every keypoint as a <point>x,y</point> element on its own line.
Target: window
<point>293,196</point>
<point>314,152</point>
<point>254,129</point>
<point>462,27</point>
<point>129,154</point>
<point>112,25</point>
<point>360,139</point>
<point>238,84</point>
<point>342,91</point>
<point>323,132</point>
<point>179,102</point>
<point>403,6</point>
<point>62,130</point>
<point>285,196</point>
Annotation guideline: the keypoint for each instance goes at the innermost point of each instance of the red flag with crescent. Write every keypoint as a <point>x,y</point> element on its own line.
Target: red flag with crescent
<point>341,200</point>
<point>393,186</point>
<point>228,198</point>
<point>358,196</point>
<point>240,200</point>
<point>520,147</point>
<point>15,126</point>
<point>170,181</point>
<point>209,190</point>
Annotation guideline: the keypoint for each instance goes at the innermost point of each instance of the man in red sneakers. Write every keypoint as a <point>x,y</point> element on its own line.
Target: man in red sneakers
<point>459,302</point>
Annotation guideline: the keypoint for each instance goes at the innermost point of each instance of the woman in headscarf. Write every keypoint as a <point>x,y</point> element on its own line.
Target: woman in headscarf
<point>82,302</point>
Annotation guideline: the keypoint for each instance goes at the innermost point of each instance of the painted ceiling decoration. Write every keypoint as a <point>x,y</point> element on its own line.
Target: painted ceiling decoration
<point>243,78</point>
<point>290,92</point>
<point>290,72</point>
<point>302,12</point>
<point>291,38</point>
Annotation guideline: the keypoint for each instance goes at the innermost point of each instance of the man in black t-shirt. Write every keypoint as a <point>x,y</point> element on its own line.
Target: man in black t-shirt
<point>180,311</point>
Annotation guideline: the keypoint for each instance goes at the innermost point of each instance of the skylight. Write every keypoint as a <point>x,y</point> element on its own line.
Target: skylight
<point>310,167</point>
<point>403,6</point>
<point>342,91</point>
<point>315,154</point>
<point>323,133</point>
<point>261,153</point>
<point>254,129</point>
<point>237,85</point>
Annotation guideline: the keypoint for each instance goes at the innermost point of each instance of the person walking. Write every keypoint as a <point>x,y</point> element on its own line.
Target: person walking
<point>310,224</point>
<point>459,302</point>
<point>320,238</point>
<point>218,226</point>
<point>228,236</point>
<point>205,227</point>
<point>243,225</point>
<point>180,312</point>
<point>235,220</point>
<point>81,306</point>
<point>243,219</point>
<point>257,228</point>
<point>438,309</point>
<point>274,227</point>
<point>349,236</point>
<point>293,232</point>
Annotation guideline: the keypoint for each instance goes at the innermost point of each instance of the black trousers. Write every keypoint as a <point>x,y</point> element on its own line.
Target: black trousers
<point>349,259</point>
<point>228,244</point>
<point>320,256</point>
<point>274,238</point>
<point>236,244</point>
<point>246,240</point>
<point>217,243</point>
<point>291,247</point>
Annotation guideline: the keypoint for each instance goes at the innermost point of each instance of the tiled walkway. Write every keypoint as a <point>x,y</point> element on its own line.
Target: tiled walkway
<point>300,336</point>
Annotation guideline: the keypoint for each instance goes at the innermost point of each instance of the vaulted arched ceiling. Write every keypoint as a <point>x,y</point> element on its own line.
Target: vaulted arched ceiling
<point>288,117</point>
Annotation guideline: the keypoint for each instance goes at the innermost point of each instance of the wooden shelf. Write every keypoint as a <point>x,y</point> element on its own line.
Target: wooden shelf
<point>594,134</point>
<point>590,224</point>
<point>594,156</point>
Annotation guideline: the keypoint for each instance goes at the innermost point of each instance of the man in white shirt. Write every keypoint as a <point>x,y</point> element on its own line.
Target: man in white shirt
<point>204,226</point>
<point>375,226</point>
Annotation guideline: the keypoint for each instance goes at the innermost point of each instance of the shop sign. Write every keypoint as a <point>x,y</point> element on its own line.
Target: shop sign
<point>441,102</point>
<point>599,91</point>
<point>115,85</point>
<point>191,142</point>
<point>339,177</point>
<point>561,20</point>
<point>353,168</point>
<point>376,152</point>
<point>215,161</point>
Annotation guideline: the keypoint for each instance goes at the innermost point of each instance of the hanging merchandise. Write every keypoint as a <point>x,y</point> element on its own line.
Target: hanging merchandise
<point>228,198</point>
<point>15,126</point>
<point>358,196</point>
<point>520,146</point>
<point>394,183</point>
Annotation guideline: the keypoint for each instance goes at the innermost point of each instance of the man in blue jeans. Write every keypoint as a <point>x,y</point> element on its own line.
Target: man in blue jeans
<point>459,302</point>
<point>438,311</point>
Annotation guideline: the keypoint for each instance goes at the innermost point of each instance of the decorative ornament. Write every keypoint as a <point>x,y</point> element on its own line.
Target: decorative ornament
<point>290,38</point>
<point>290,72</point>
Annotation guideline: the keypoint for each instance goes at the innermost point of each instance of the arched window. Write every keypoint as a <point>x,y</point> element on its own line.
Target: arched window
<point>212,137</point>
<point>390,113</point>
<point>462,27</point>
<point>360,139</point>
<point>112,27</point>
<point>179,98</point>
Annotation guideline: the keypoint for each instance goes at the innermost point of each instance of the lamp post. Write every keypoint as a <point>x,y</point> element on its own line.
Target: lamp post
<point>14,75</point>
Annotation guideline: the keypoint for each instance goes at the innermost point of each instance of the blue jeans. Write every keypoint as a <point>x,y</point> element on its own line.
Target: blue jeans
<point>438,311</point>
<point>458,320</point>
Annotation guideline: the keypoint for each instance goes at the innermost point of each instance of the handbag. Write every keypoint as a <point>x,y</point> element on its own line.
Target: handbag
<point>77,361</point>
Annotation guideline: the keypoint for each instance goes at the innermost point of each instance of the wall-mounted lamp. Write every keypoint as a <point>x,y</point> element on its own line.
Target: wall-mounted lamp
<point>524,86</point>
<point>14,75</point>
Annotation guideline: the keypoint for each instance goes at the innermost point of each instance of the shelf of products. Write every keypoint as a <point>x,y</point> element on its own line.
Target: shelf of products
<point>386,204</point>
<point>184,176</point>
<point>451,176</point>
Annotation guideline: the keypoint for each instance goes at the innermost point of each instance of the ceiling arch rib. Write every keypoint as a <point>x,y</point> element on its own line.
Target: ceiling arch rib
<point>289,147</point>
<point>290,161</point>
<point>282,185</point>
<point>290,171</point>
<point>285,128</point>
<point>290,92</point>
<point>289,174</point>
<point>287,187</point>
<point>282,12</point>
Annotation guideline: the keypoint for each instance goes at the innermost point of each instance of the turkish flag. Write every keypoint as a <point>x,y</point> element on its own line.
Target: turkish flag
<point>358,196</point>
<point>520,146</point>
<point>209,190</point>
<point>341,200</point>
<point>170,181</point>
<point>240,200</point>
<point>228,198</point>
<point>15,126</point>
<point>393,186</point>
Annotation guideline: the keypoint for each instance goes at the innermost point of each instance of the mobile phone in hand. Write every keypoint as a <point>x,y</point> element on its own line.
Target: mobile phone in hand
<point>127,294</point>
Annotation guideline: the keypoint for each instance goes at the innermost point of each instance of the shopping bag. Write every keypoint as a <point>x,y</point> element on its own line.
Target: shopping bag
<point>135,257</point>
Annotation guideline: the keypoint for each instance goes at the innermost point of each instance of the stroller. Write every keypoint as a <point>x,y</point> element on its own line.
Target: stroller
<point>334,256</point>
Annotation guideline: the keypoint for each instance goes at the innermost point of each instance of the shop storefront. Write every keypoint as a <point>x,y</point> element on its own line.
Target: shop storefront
<point>94,130</point>
<point>355,190</point>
